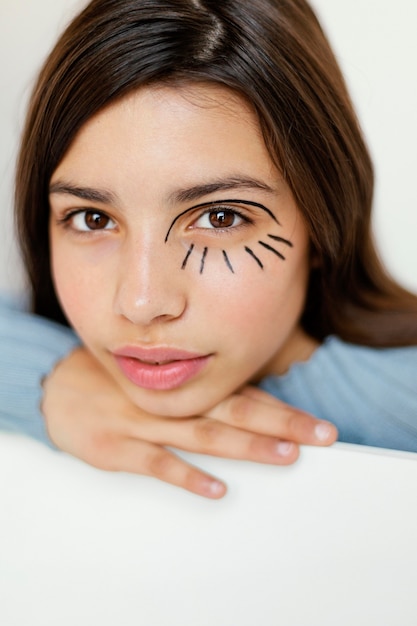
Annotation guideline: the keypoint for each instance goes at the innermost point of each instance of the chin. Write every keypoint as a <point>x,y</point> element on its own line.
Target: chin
<point>171,404</point>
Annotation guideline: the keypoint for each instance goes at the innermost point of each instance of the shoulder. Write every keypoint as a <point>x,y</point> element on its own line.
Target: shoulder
<point>341,363</point>
<point>365,360</point>
<point>369,393</point>
<point>17,324</point>
<point>30,348</point>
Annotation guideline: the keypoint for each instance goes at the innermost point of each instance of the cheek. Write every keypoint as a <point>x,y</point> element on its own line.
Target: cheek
<point>252,302</point>
<point>77,289</point>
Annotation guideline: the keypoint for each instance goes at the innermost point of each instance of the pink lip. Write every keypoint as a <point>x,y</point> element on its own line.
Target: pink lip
<point>159,368</point>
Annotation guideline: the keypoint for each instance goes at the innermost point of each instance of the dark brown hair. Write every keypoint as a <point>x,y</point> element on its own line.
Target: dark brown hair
<point>274,53</point>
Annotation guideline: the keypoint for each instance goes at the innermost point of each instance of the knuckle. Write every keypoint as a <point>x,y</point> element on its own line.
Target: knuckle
<point>100,451</point>
<point>295,424</point>
<point>240,410</point>
<point>192,480</point>
<point>159,464</point>
<point>208,432</point>
<point>255,448</point>
<point>258,448</point>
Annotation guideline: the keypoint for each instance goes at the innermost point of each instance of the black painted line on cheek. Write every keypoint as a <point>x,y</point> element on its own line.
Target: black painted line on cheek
<point>282,240</point>
<point>203,259</point>
<point>227,260</point>
<point>271,249</point>
<point>253,255</point>
<point>184,263</point>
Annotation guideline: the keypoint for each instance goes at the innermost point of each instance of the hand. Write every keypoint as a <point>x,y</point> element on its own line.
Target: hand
<point>88,416</point>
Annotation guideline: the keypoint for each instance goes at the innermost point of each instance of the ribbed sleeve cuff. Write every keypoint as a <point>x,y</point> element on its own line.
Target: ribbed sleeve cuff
<point>30,348</point>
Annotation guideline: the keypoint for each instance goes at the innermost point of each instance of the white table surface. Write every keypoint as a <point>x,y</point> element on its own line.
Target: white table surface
<point>330,541</point>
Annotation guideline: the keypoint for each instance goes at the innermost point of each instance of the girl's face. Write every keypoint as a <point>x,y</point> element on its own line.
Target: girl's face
<point>178,253</point>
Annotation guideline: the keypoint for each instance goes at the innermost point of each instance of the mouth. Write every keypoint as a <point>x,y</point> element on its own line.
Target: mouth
<point>159,369</point>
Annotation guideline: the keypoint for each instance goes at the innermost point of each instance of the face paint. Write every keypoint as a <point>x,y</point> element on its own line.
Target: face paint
<point>203,259</point>
<point>184,263</point>
<point>227,261</point>
<point>271,249</point>
<point>287,242</point>
<point>281,240</point>
<point>253,255</point>
<point>220,207</point>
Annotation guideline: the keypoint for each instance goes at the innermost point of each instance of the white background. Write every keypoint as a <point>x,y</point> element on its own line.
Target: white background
<point>330,541</point>
<point>376,45</point>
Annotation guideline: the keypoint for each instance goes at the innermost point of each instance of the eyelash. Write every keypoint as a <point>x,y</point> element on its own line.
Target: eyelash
<point>245,219</point>
<point>66,220</point>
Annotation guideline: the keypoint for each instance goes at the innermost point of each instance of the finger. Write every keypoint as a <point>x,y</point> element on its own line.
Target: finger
<point>209,436</point>
<point>139,457</point>
<point>257,411</point>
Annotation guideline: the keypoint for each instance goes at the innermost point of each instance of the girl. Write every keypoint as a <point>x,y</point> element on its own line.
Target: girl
<point>208,202</point>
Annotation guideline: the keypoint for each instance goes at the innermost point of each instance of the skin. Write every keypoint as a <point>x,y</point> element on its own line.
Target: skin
<point>88,416</point>
<point>170,159</point>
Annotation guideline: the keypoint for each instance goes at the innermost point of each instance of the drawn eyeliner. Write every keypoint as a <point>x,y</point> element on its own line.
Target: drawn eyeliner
<point>221,202</point>
<point>271,249</point>
<point>227,260</point>
<point>253,255</point>
<point>281,240</point>
<point>184,263</point>
<point>203,258</point>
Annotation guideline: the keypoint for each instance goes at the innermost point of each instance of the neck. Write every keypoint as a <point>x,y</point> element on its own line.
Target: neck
<point>297,348</point>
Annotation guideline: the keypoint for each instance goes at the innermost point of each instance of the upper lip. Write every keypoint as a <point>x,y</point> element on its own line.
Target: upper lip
<point>156,354</point>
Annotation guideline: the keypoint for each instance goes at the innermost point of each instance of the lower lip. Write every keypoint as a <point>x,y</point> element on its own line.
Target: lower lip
<point>161,377</point>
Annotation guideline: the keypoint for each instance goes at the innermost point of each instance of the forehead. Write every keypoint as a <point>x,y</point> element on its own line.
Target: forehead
<point>197,99</point>
<point>160,139</point>
<point>202,116</point>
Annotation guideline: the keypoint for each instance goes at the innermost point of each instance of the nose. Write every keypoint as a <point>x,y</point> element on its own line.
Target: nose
<point>149,290</point>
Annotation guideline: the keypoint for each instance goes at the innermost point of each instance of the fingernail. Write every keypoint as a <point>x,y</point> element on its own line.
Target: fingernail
<point>214,488</point>
<point>323,431</point>
<point>285,448</point>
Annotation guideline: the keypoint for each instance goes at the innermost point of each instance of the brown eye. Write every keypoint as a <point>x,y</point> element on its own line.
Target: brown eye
<point>222,219</point>
<point>91,220</point>
<point>96,221</point>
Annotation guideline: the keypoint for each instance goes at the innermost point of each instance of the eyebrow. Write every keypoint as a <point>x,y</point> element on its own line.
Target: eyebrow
<point>84,193</point>
<point>188,194</point>
<point>224,184</point>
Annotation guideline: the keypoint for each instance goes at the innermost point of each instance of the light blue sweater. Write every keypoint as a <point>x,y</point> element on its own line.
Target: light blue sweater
<point>30,346</point>
<point>369,394</point>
